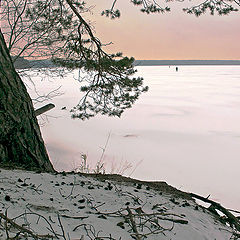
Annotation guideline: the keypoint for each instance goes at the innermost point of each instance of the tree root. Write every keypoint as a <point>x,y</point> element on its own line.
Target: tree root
<point>230,218</point>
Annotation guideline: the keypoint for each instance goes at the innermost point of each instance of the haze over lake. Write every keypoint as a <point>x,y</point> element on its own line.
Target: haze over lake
<point>185,130</point>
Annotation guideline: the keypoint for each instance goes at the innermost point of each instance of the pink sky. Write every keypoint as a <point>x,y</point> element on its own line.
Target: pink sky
<point>174,35</point>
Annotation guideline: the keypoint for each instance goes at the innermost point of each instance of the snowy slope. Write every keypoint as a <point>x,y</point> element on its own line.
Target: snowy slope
<point>74,206</point>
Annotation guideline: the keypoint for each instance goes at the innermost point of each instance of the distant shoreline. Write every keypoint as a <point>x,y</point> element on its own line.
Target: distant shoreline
<point>184,62</point>
<point>22,63</point>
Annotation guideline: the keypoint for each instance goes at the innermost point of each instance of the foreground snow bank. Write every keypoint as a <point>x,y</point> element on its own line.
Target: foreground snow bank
<point>73,206</point>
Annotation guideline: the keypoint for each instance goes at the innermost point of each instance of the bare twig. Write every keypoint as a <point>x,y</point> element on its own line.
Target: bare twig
<point>74,217</point>
<point>61,226</point>
<point>74,183</point>
<point>23,229</point>
<point>134,227</point>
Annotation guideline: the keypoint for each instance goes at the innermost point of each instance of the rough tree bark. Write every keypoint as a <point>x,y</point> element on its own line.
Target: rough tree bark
<point>21,143</point>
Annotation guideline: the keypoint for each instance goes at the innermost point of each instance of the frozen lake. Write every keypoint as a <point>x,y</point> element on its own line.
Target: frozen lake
<point>185,131</point>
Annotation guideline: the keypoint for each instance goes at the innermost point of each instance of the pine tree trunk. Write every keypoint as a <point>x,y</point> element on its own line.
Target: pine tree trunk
<point>21,143</point>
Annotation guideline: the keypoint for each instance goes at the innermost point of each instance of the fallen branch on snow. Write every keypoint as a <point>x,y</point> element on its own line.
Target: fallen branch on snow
<point>230,218</point>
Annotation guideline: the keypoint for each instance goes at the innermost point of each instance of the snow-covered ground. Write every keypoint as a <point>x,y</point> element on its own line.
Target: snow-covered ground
<point>75,206</point>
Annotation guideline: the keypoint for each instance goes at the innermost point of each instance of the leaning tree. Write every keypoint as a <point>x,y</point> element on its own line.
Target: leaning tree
<point>58,29</point>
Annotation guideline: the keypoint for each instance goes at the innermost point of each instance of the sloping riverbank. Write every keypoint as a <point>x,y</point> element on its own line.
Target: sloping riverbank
<point>80,206</point>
